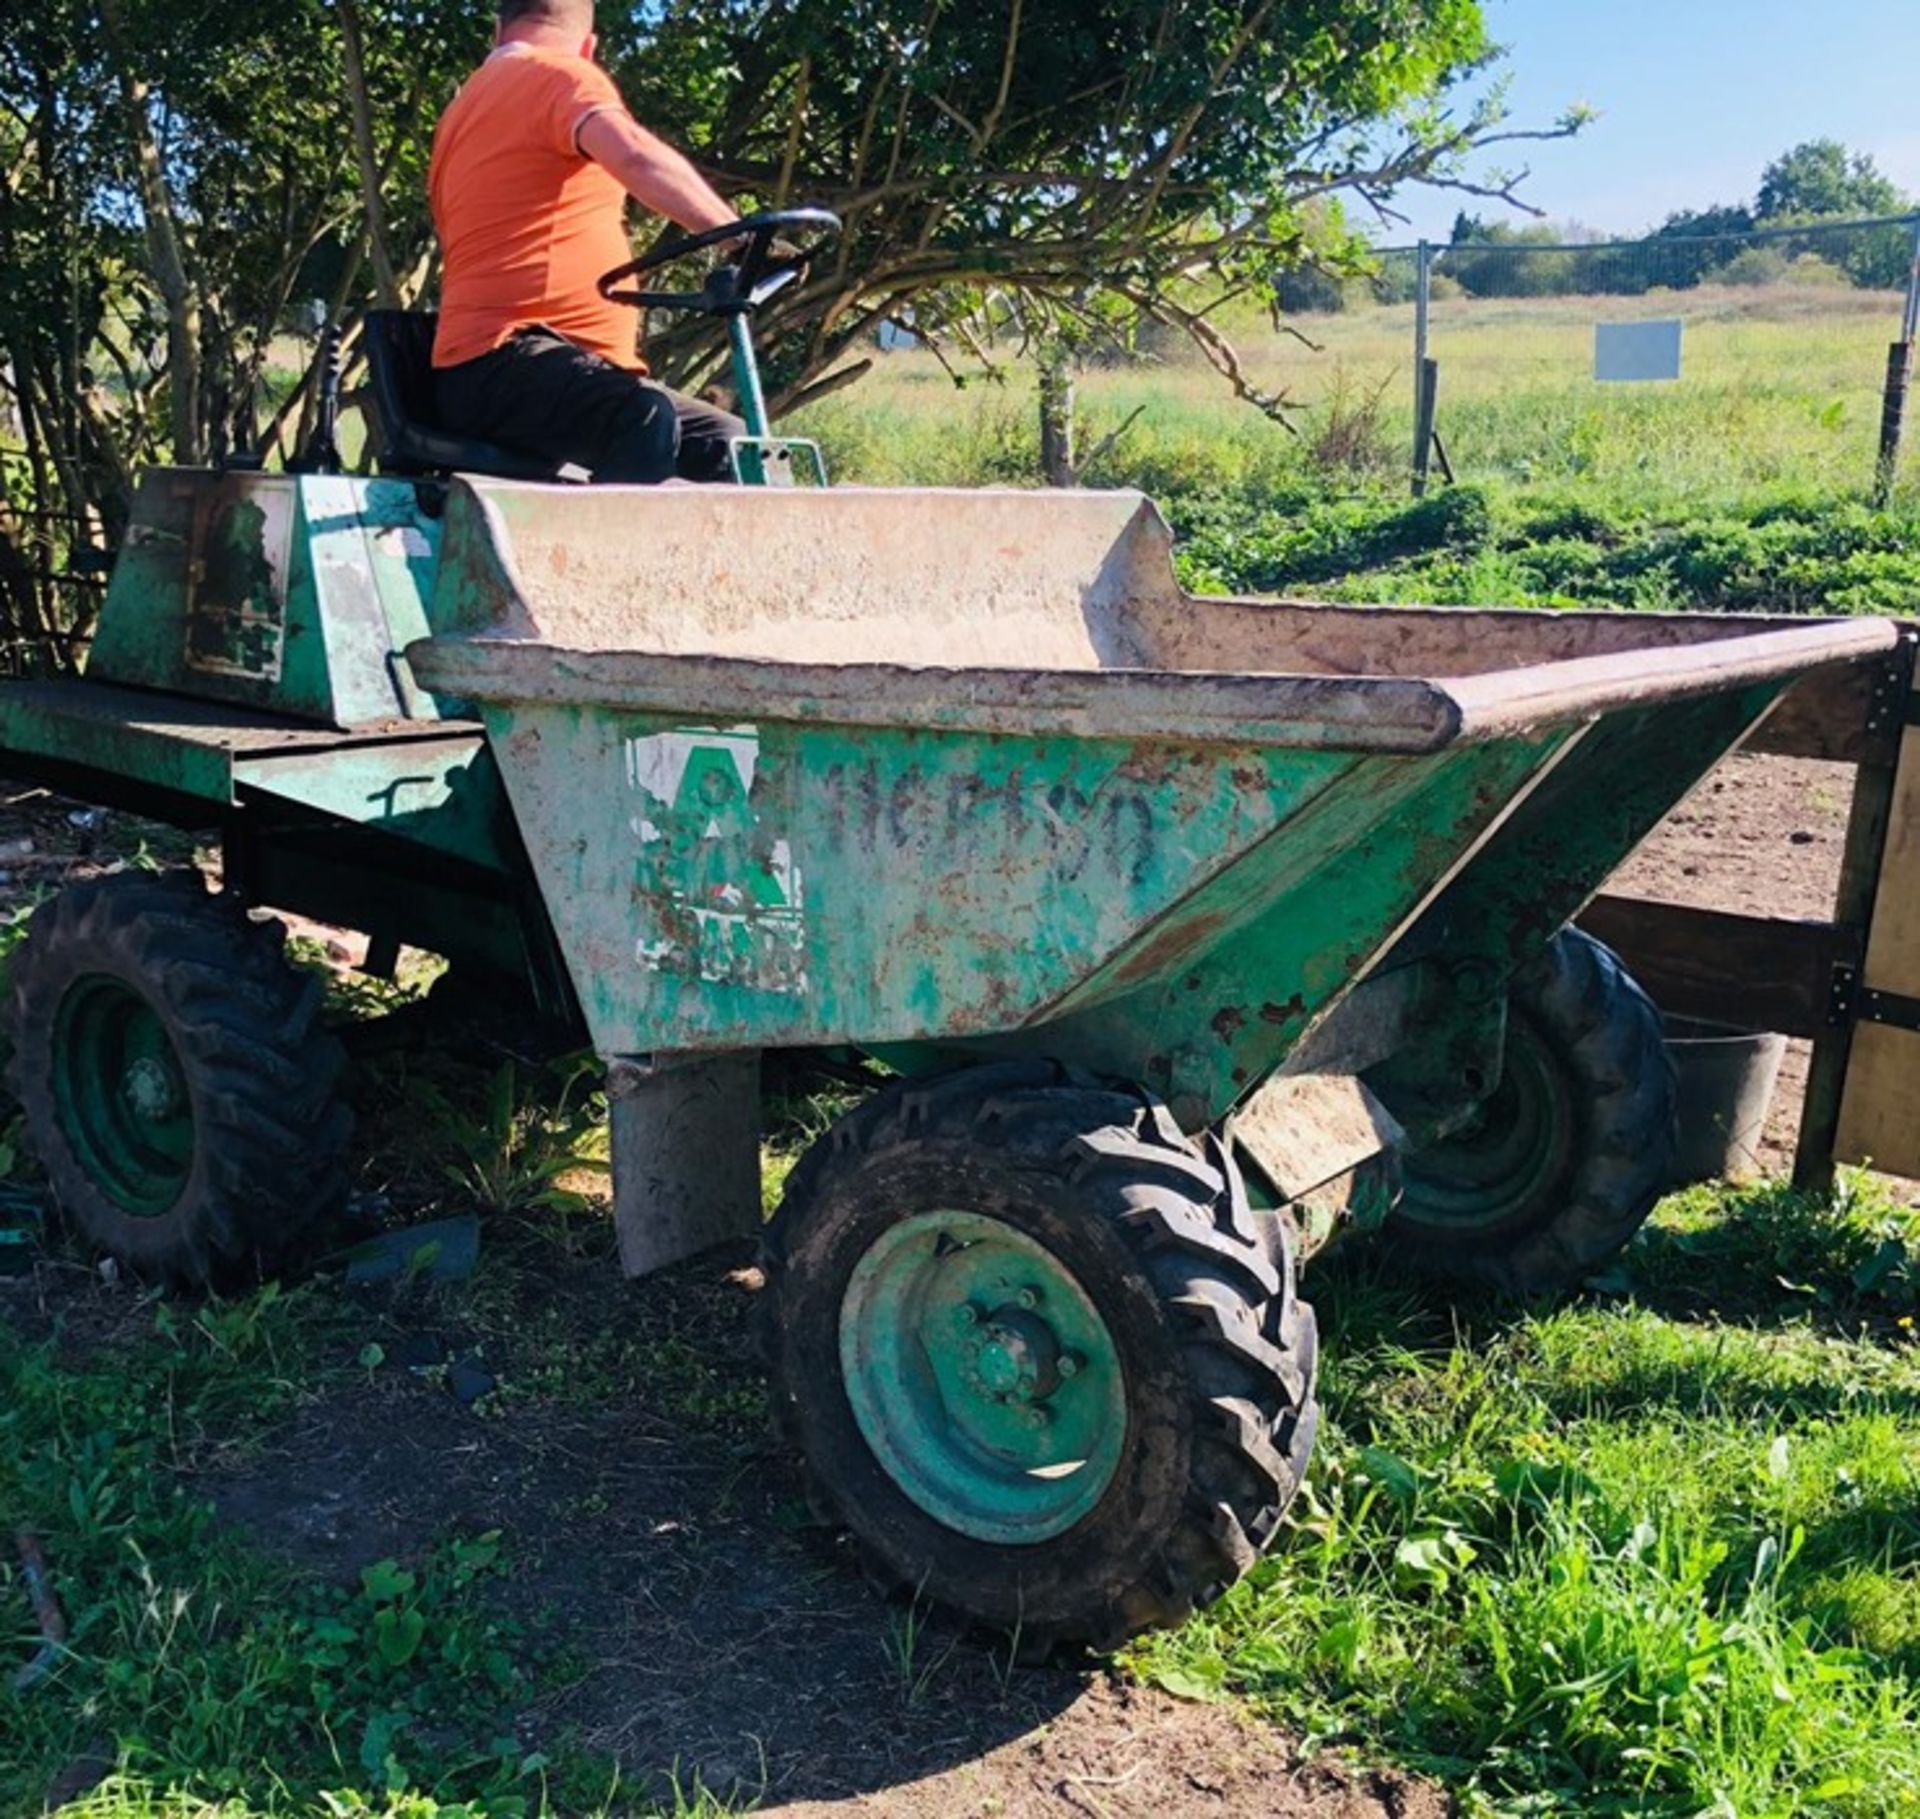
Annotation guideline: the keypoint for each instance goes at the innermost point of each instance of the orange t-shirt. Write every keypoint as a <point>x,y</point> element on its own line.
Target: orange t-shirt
<point>526,221</point>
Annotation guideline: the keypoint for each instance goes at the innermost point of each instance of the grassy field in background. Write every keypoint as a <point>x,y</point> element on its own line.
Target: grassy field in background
<point>1744,486</point>
<point>1780,391</point>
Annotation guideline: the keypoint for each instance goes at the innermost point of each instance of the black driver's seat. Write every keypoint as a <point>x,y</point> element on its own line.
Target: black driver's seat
<point>399,346</point>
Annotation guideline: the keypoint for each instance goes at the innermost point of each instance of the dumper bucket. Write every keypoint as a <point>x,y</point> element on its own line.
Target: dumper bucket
<point>969,769</point>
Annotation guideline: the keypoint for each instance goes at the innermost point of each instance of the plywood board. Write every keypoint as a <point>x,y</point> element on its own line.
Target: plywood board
<point>1880,1112</point>
<point>1880,1103</point>
<point>1893,947</point>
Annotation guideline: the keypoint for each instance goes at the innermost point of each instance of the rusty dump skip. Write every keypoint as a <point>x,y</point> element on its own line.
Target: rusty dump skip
<point>1016,612</point>
<point>946,769</point>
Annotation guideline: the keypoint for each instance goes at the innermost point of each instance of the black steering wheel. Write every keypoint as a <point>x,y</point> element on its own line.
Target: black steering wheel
<point>740,286</point>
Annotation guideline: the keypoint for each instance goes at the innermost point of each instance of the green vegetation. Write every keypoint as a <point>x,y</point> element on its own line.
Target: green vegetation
<point>1654,1553</point>
<point>1470,546</point>
<point>212,1672</point>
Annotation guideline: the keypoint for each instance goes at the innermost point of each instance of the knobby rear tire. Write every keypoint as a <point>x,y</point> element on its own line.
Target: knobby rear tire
<point>1599,1044</point>
<point>258,1072</point>
<point>1196,1288</point>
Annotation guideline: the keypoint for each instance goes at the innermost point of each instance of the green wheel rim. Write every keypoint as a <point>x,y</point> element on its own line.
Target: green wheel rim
<point>121,1095</point>
<point>982,1376</point>
<point>1512,1160</point>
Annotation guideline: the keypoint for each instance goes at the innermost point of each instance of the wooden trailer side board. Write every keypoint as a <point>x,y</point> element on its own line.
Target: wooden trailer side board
<point>1880,1101</point>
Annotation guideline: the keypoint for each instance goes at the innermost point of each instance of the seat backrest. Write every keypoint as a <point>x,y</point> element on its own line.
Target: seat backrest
<point>399,346</point>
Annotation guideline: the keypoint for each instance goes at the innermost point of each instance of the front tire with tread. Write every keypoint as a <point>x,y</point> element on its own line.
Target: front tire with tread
<point>1195,1287</point>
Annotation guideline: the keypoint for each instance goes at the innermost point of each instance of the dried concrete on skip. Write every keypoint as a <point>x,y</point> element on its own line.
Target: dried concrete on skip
<point>1033,613</point>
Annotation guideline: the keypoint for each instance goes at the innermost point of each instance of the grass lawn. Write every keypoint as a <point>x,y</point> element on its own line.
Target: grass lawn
<point>1780,393</point>
<point>1656,1551</point>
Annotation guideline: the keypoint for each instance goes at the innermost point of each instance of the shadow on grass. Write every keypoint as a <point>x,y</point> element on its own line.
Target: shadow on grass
<point>1765,1257</point>
<point>1768,1255</point>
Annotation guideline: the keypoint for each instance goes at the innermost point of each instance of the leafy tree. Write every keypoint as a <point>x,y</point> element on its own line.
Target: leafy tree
<point>1692,243</point>
<point>181,183</point>
<point>1822,179</point>
<point>1493,259</point>
<point>1119,147</point>
<point>189,184</point>
<point>1705,223</point>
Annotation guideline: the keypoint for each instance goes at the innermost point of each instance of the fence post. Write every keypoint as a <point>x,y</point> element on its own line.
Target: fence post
<point>1893,404</point>
<point>1422,304</point>
<point>1893,418</point>
<point>1425,418</point>
<point>1910,324</point>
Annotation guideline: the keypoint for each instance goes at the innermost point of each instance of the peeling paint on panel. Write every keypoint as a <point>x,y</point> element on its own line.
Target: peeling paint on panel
<point>718,896</point>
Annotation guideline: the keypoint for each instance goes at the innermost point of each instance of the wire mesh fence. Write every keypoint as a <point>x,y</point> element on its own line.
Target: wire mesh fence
<point>1740,359</point>
<point>1674,367</point>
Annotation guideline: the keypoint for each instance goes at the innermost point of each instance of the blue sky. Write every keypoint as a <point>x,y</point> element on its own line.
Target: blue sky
<point>1695,97</point>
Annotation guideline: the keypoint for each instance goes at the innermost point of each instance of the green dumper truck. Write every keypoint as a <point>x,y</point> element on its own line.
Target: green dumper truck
<point>1188,929</point>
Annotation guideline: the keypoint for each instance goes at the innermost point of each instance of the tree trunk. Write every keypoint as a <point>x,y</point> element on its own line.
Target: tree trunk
<point>1057,466</point>
<point>353,51</point>
<point>163,248</point>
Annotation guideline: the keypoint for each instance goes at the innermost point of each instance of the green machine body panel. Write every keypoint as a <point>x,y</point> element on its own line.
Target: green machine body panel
<point>288,594</point>
<point>249,678</point>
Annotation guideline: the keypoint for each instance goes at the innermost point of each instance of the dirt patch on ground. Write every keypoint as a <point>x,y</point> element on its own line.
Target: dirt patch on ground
<point>1119,1751</point>
<point>718,1637</point>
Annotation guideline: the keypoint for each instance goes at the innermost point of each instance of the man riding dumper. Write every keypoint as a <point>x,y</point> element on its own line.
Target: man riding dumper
<point>532,166</point>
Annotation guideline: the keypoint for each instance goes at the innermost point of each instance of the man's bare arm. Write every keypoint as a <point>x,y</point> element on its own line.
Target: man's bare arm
<point>652,172</point>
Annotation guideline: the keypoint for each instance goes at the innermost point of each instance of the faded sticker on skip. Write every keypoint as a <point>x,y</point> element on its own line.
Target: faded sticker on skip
<point>720,896</point>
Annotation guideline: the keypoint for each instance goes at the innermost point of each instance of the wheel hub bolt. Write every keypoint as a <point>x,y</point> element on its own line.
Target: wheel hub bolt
<point>1029,1298</point>
<point>150,1089</point>
<point>966,1314</point>
<point>1071,1364</point>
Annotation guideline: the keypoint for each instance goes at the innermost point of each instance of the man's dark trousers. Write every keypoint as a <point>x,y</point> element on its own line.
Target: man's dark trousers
<point>539,394</point>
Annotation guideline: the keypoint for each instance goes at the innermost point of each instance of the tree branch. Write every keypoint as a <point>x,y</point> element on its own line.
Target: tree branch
<point>354,62</point>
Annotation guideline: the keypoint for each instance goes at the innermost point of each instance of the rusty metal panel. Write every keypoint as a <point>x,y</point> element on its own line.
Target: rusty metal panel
<point>1433,641</point>
<point>441,792</point>
<point>288,594</point>
<point>1305,1130</point>
<point>765,886</point>
<point>1206,1003</point>
<point>969,771</point>
<point>1019,613</point>
<point>993,579</point>
<point>238,579</point>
